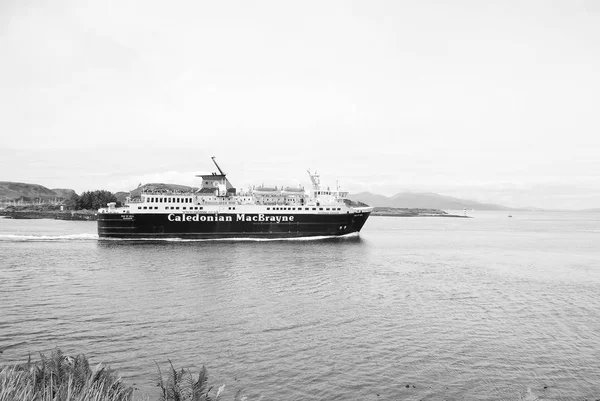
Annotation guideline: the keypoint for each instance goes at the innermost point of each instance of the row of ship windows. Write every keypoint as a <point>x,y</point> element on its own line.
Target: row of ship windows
<point>171,208</point>
<point>167,200</point>
<point>306,208</point>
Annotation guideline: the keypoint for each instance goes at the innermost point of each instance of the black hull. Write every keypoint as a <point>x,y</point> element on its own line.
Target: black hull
<point>211,226</point>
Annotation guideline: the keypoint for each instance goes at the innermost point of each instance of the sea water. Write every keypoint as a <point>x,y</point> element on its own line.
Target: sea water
<point>491,307</point>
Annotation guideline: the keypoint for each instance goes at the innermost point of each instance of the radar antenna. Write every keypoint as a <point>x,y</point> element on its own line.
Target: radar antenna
<point>218,168</point>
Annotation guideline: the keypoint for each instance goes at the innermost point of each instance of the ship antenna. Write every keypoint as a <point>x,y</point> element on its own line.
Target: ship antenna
<point>218,168</point>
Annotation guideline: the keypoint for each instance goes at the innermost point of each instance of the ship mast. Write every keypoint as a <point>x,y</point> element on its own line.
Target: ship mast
<point>316,180</point>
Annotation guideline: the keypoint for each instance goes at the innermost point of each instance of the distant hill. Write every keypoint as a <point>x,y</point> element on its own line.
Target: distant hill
<point>135,193</point>
<point>425,200</point>
<point>10,191</point>
<point>64,193</point>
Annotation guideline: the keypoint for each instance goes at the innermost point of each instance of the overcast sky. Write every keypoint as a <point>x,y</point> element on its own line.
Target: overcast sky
<point>494,101</point>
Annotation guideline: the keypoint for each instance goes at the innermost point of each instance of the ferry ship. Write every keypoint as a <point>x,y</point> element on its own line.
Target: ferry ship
<point>217,210</point>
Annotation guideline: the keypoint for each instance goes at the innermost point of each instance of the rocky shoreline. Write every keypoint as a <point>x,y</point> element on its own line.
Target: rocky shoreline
<point>80,215</point>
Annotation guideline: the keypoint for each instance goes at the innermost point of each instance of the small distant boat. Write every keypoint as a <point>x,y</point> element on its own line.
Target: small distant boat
<point>510,215</point>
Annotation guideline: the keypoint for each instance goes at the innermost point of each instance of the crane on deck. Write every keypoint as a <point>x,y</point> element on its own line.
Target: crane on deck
<point>218,168</point>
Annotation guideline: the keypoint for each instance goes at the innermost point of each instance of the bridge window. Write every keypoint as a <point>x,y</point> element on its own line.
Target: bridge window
<point>320,208</point>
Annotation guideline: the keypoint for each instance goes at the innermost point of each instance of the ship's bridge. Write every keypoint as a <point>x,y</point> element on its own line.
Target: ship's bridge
<point>329,195</point>
<point>211,183</point>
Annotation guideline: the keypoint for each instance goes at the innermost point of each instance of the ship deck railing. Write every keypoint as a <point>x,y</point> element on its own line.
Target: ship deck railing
<point>165,192</point>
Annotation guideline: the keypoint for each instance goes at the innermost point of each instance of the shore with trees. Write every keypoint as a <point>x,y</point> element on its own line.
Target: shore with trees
<point>77,207</point>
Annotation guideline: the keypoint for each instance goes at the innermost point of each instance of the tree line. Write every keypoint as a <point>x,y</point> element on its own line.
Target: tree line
<point>91,200</point>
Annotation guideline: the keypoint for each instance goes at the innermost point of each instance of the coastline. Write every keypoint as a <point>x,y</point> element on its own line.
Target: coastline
<point>413,212</point>
<point>92,216</point>
<point>49,214</point>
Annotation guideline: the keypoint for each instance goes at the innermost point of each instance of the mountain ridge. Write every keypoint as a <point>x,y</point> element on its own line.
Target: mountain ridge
<point>11,191</point>
<point>426,200</point>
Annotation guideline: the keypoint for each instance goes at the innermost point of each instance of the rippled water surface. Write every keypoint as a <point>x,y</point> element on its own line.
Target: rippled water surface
<point>415,308</point>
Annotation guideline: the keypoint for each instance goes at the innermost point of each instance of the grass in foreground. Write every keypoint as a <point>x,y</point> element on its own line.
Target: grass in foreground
<point>64,378</point>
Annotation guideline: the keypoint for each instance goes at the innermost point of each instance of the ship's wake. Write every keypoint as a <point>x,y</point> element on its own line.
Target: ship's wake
<point>94,237</point>
<point>47,238</point>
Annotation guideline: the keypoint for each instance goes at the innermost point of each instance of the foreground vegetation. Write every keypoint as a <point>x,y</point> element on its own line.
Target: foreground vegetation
<point>64,378</point>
